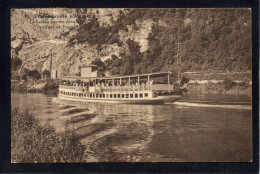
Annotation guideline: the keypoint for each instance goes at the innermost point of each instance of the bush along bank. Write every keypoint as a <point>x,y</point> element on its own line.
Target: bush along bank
<point>35,143</point>
<point>224,87</point>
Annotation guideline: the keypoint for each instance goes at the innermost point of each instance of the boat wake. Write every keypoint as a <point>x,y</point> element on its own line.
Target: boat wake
<point>230,106</point>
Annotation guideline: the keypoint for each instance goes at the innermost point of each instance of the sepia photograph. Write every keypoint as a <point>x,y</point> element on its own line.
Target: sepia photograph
<point>131,85</point>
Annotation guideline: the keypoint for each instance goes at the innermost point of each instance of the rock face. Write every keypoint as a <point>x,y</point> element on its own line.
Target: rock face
<point>148,40</point>
<point>38,46</point>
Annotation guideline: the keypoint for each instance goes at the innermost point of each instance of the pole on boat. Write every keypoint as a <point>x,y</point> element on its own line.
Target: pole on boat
<point>148,78</point>
<point>138,79</point>
<point>120,81</point>
<point>169,83</point>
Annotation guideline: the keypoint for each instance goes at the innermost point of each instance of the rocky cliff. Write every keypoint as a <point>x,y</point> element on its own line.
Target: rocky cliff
<point>140,40</point>
<point>36,46</point>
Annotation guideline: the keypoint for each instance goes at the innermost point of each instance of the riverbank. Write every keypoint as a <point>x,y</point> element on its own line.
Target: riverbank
<point>42,86</point>
<point>219,88</point>
<point>233,83</point>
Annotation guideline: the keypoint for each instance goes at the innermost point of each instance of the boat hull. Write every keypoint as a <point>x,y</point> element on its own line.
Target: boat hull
<point>155,100</point>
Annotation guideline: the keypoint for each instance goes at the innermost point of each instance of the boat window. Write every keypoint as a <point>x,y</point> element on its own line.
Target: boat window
<point>90,95</point>
<point>136,95</point>
<point>111,95</point>
<point>141,95</point>
<point>146,94</point>
<point>114,95</point>
<point>123,95</point>
<point>118,95</point>
<point>127,95</point>
<point>96,95</point>
<point>131,95</point>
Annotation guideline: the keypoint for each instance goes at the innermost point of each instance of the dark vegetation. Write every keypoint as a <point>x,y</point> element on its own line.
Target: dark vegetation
<point>51,85</point>
<point>15,63</point>
<point>212,40</point>
<point>34,74</point>
<point>32,142</point>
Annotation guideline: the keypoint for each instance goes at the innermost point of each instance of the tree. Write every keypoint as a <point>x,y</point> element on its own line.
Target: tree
<point>15,63</point>
<point>99,63</point>
<point>34,74</point>
<point>46,74</point>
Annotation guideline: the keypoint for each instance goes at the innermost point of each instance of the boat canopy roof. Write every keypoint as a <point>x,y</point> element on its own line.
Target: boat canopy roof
<point>159,74</point>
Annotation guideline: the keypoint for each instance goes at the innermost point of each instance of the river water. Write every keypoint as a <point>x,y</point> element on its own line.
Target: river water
<point>194,129</point>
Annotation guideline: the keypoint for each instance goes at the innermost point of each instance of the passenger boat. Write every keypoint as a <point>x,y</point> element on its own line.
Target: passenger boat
<point>130,89</point>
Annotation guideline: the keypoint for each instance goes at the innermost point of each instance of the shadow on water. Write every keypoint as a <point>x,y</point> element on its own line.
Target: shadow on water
<point>66,107</point>
<point>73,111</point>
<point>82,117</point>
<point>90,130</point>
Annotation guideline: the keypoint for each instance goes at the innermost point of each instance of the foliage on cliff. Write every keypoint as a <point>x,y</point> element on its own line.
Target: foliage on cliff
<point>211,40</point>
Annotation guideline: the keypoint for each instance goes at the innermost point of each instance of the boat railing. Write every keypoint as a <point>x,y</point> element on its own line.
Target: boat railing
<point>99,88</point>
<point>144,87</point>
<point>77,88</point>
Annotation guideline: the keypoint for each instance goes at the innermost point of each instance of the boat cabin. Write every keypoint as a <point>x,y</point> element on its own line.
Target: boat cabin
<point>89,71</point>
